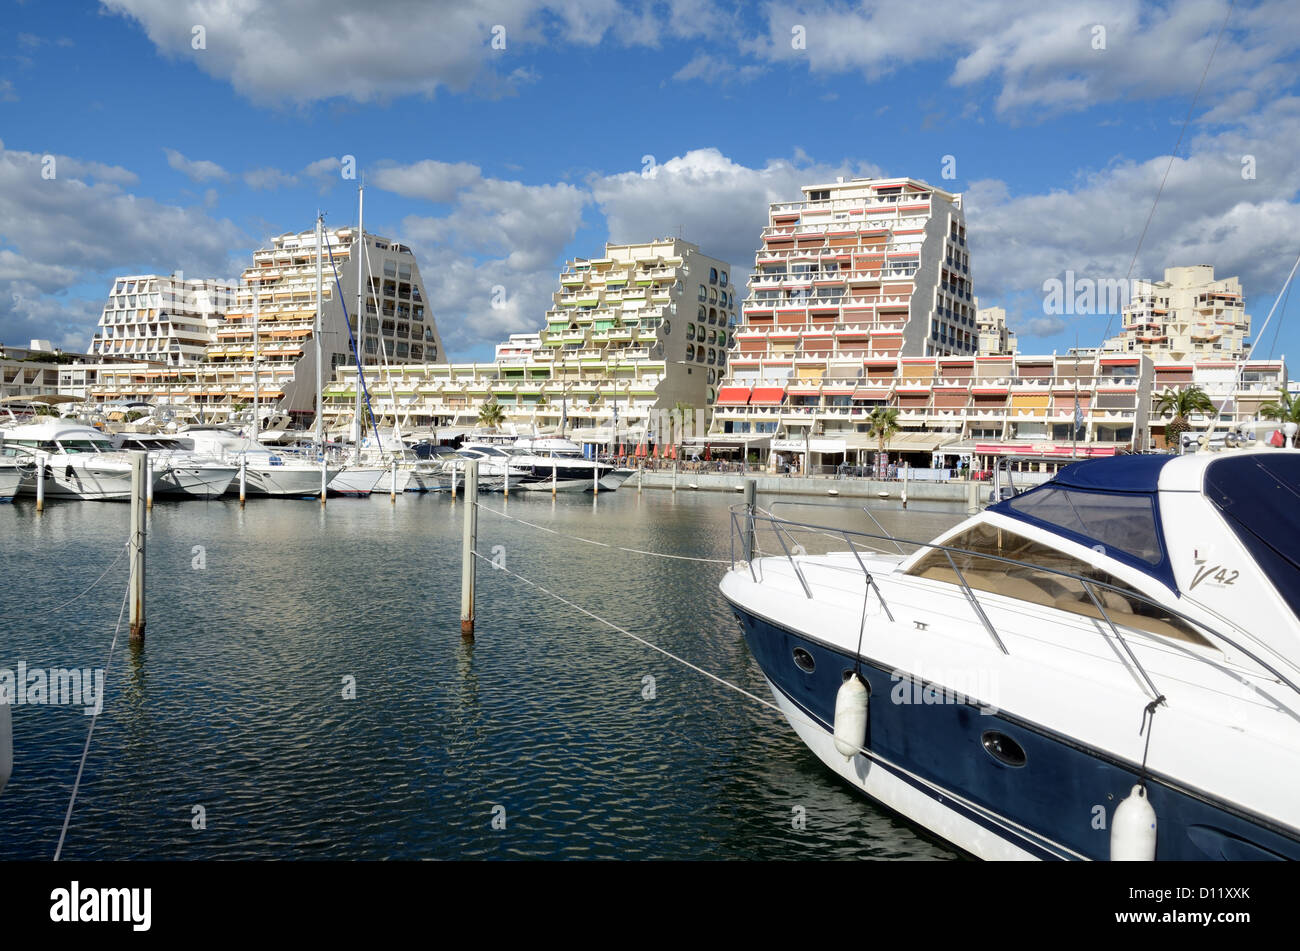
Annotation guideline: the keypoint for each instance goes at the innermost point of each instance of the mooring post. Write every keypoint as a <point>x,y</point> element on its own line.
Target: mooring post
<point>324,479</point>
<point>973,498</point>
<point>751,493</point>
<point>469,545</point>
<point>554,477</point>
<point>40,485</point>
<point>640,478</point>
<point>6,739</point>
<point>905,468</point>
<point>392,486</point>
<point>148,474</point>
<point>139,478</point>
<point>454,467</point>
<point>506,486</point>
<point>595,475</point>
<point>674,475</point>
<point>243,480</point>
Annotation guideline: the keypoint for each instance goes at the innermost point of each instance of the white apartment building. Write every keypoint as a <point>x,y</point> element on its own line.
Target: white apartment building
<point>865,267</point>
<point>994,338</point>
<point>629,334</point>
<point>1189,315</point>
<point>163,318</point>
<point>271,322</point>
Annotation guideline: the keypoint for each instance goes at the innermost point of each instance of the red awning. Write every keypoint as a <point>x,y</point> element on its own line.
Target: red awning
<point>767,396</point>
<point>732,396</point>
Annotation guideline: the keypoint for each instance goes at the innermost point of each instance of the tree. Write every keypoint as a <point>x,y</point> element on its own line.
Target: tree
<point>1181,404</point>
<point>882,423</point>
<point>491,415</point>
<point>1286,410</point>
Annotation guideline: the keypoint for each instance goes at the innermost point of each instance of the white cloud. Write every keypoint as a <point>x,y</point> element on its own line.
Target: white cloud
<point>717,203</point>
<point>709,67</point>
<point>321,49</point>
<point>428,179</point>
<point>1208,214</point>
<point>268,179</point>
<point>200,170</point>
<point>7,92</point>
<point>59,235</point>
<point>497,234</point>
<point>1043,57</point>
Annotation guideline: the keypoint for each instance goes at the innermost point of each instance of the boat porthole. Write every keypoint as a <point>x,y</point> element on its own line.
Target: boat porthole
<point>1003,748</point>
<point>804,660</point>
<point>847,673</point>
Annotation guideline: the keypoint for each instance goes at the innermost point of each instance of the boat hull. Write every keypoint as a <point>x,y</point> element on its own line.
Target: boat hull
<point>196,481</point>
<point>11,479</point>
<point>82,478</point>
<point>286,481</point>
<point>930,764</point>
<point>358,481</point>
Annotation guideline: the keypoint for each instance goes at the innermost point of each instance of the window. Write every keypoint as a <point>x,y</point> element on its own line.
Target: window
<point>723,279</point>
<point>704,292</point>
<point>713,275</point>
<point>690,351</point>
<point>1028,582</point>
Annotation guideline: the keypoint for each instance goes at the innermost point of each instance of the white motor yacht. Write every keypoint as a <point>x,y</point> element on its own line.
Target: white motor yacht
<point>79,461</point>
<point>177,469</point>
<point>1101,667</point>
<point>273,473</point>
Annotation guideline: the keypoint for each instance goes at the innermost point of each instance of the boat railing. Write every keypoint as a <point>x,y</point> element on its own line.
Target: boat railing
<point>747,526</point>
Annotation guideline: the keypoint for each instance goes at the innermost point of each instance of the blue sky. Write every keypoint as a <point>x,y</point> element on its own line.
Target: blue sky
<point>496,165</point>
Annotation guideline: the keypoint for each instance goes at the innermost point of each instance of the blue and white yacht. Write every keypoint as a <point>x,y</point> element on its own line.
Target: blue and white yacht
<point>1102,667</point>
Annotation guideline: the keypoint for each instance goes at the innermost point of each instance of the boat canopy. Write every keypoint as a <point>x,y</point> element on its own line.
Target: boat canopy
<point>1259,497</point>
<point>1107,504</point>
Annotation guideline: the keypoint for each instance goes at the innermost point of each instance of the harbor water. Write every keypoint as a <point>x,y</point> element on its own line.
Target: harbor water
<point>303,691</point>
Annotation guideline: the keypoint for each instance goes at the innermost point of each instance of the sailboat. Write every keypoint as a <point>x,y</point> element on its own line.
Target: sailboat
<point>355,479</point>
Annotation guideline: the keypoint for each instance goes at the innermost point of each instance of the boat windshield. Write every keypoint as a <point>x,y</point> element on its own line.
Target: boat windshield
<point>80,445</point>
<point>1029,582</point>
<point>1259,496</point>
<point>1120,521</point>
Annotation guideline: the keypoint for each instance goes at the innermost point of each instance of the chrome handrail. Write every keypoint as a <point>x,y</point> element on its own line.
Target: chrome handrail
<point>1089,584</point>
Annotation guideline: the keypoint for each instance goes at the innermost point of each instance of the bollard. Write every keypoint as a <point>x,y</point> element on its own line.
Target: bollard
<point>40,485</point>
<point>148,475</point>
<point>469,545</point>
<point>751,492</point>
<point>243,480</point>
<point>139,477</point>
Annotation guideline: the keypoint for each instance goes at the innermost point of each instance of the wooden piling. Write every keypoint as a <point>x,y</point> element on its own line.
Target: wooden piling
<point>469,545</point>
<point>139,478</point>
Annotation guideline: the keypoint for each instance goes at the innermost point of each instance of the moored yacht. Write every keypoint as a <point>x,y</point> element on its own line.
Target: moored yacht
<point>267,472</point>
<point>1104,666</point>
<point>177,469</point>
<point>79,461</point>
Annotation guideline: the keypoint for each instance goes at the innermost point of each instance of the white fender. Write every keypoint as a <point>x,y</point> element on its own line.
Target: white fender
<point>851,716</point>
<point>1133,829</point>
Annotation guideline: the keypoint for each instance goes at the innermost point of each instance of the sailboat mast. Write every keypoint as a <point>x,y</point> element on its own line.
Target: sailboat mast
<point>361,333</point>
<point>316,332</point>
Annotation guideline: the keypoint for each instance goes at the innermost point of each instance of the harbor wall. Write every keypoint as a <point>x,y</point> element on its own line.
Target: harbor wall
<point>956,491</point>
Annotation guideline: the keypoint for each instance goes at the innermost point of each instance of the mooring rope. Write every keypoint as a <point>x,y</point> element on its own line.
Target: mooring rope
<point>1022,832</point>
<point>93,584</point>
<point>85,753</point>
<point>590,541</point>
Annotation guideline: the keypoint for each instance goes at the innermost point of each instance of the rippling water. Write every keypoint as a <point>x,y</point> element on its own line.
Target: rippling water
<point>235,702</point>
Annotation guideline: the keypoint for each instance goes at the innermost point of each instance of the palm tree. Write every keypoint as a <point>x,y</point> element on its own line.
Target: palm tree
<point>1285,410</point>
<point>491,415</point>
<point>1181,404</point>
<point>882,423</point>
